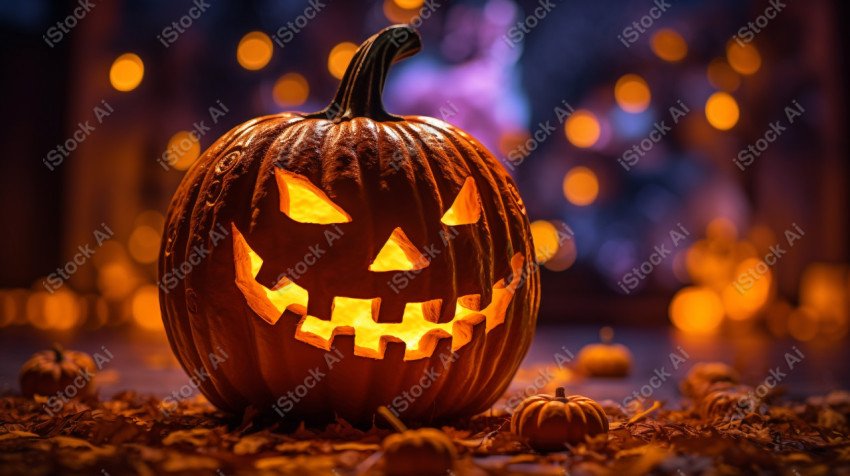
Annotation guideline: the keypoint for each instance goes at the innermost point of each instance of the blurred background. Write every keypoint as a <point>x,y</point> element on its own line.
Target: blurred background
<point>684,163</point>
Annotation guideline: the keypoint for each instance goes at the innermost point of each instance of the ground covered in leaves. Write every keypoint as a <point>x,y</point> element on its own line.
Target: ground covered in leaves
<point>129,434</point>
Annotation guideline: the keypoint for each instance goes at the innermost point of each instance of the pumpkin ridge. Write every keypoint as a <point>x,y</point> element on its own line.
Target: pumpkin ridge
<point>204,336</point>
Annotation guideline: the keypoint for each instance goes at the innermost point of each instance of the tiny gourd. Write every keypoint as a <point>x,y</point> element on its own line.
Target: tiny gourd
<point>549,423</point>
<point>57,370</point>
<point>727,402</point>
<point>605,359</point>
<point>704,377</point>
<point>422,452</point>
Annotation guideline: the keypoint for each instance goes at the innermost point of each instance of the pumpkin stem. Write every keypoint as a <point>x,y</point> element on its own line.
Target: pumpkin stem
<point>606,334</point>
<point>58,352</point>
<point>392,419</point>
<point>359,93</point>
<point>560,393</point>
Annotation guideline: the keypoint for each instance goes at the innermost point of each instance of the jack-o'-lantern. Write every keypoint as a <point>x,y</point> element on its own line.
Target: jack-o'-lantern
<point>383,254</point>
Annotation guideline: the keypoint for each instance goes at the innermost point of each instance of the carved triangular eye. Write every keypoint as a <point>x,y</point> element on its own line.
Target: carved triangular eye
<point>398,254</point>
<point>306,203</point>
<point>466,208</point>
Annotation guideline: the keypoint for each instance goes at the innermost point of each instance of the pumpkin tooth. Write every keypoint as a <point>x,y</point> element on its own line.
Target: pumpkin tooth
<point>419,329</point>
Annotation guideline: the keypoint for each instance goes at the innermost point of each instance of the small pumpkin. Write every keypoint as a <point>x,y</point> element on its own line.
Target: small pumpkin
<point>548,423</point>
<point>49,372</point>
<point>605,359</point>
<point>706,376</point>
<point>398,244</point>
<point>422,452</point>
<point>727,402</point>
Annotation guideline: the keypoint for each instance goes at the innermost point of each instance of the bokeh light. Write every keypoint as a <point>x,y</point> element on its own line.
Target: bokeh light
<point>544,235</point>
<point>632,93</point>
<point>409,4</point>
<point>722,111</point>
<point>145,308</point>
<point>582,128</point>
<point>59,311</point>
<point>126,72</point>
<point>144,244</point>
<point>291,90</point>
<point>744,58</point>
<point>696,310</point>
<point>339,57</point>
<point>116,280</point>
<point>803,324</point>
<point>669,45</point>
<point>581,186</point>
<point>402,11</point>
<point>567,252</point>
<point>722,76</point>
<point>183,150</point>
<point>749,292</point>
<point>254,51</point>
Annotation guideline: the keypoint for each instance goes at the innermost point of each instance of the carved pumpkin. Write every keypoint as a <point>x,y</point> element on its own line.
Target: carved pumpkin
<point>605,359</point>
<point>422,452</point>
<point>549,423</point>
<point>57,370</point>
<point>391,242</point>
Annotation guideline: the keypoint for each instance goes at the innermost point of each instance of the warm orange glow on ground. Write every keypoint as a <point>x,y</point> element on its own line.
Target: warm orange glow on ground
<point>582,129</point>
<point>145,308</point>
<point>339,58</point>
<point>466,208</point>
<point>398,254</point>
<point>306,203</point>
<point>745,59</point>
<point>254,51</point>
<point>544,235</point>
<point>632,93</point>
<point>722,111</point>
<point>669,45</point>
<point>291,90</point>
<point>696,310</point>
<point>126,72</point>
<point>722,76</point>
<point>581,186</point>
<point>183,150</point>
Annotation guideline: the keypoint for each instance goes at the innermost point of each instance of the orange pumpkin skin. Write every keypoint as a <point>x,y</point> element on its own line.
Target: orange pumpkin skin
<point>605,360</point>
<point>726,401</point>
<point>549,423</point>
<point>424,452</point>
<point>385,172</point>
<point>704,377</point>
<point>52,371</point>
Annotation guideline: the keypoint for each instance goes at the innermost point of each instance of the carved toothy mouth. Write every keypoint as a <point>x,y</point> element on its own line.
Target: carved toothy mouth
<point>418,329</point>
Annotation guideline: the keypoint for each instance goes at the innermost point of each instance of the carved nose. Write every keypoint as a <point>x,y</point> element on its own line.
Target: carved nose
<point>399,254</point>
